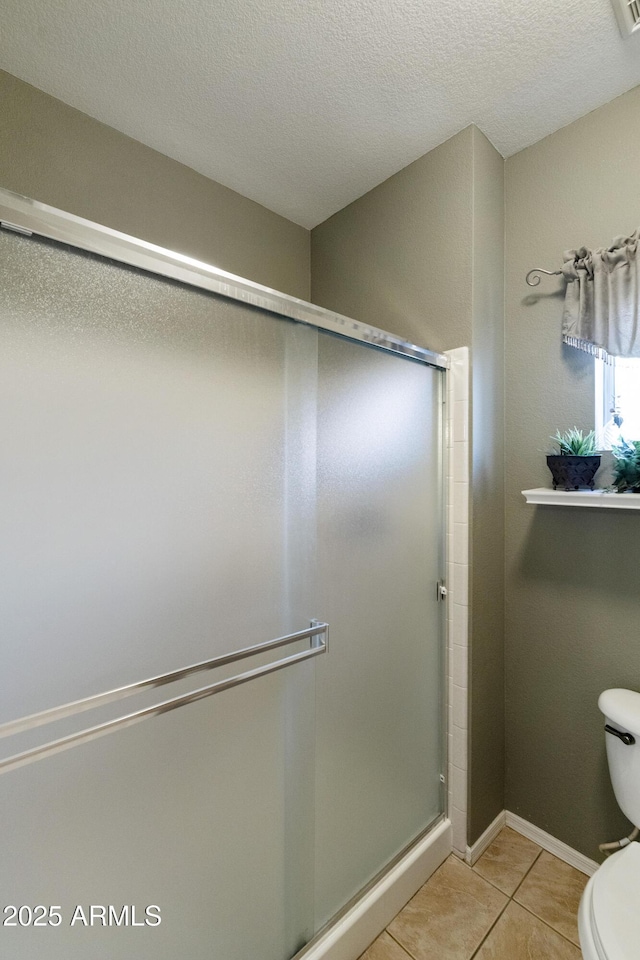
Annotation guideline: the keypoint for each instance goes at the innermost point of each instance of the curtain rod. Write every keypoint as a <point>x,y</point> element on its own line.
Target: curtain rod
<point>536,279</point>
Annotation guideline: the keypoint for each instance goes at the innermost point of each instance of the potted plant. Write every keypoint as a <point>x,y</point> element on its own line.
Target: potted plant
<point>576,463</point>
<point>627,466</point>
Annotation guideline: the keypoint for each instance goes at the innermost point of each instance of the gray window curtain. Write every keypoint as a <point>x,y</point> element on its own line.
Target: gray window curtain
<point>602,300</point>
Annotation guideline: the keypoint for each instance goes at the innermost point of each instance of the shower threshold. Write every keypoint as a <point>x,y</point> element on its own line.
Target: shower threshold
<point>362,919</point>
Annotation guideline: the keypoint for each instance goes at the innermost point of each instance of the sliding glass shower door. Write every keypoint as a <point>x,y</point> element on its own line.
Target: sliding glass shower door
<point>379,692</point>
<point>185,477</point>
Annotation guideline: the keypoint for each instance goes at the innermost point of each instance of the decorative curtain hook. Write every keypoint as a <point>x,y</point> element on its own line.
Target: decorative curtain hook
<point>536,279</point>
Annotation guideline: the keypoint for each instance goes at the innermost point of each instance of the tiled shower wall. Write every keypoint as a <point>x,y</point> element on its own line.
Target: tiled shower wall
<point>458,476</point>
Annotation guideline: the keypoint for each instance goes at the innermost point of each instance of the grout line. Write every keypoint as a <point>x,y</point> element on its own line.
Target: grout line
<point>479,947</point>
<point>527,873</point>
<point>536,917</point>
<point>511,899</point>
<point>495,885</point>
<point>395,940</point>
<point>531,914</point>
<point>490,882</point>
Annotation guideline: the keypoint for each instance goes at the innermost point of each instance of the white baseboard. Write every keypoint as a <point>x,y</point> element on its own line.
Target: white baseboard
<point>475,852</point>
<point>559,849</point>
<point>352,934</point>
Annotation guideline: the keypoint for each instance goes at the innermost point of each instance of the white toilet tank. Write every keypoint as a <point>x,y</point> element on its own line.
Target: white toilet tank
<point>622,712</point>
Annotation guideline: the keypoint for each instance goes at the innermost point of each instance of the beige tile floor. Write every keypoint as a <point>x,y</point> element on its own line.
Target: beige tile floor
<point>517,903</point>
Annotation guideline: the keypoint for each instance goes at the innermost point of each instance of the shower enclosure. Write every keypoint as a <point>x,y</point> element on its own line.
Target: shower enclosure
<point>194,467</point>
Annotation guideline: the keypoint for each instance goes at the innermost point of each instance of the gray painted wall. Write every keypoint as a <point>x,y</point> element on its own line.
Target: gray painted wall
<point>422,255</point>
<point>400,257</point>
<point>573,598</point>
<point>486,666</point>
<point>53,153</point>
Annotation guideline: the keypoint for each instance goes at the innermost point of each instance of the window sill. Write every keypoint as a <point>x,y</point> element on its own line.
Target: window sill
<point>582,498</point>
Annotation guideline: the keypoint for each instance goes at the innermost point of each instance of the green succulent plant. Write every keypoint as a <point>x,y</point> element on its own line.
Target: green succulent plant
<point>574,444</point>
<point>627,466</point>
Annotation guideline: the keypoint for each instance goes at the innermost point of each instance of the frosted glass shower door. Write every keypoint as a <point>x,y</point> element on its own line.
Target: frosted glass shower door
<point>379,700</point>
<point>156,487</point>
<point>182,477</point>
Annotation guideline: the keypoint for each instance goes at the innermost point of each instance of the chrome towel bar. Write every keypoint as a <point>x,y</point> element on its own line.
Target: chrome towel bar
<point>317,634</point>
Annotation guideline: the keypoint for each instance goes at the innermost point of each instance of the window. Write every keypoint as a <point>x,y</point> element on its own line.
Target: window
<point>617,401</point>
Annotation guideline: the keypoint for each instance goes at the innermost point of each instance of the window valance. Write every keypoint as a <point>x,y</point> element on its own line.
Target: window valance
<point>602,300</point>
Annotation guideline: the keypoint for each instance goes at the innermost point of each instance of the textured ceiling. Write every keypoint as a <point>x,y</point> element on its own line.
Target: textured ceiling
<point>304,105</point>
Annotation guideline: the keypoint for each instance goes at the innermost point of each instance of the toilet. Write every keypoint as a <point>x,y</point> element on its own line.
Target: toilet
<point>609,914</point>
